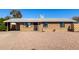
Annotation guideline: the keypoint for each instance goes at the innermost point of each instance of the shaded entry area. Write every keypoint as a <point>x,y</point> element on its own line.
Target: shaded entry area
<point>13,26</point>
<point>35,26</point>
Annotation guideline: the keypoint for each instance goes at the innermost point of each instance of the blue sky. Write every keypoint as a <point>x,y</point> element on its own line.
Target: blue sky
<point>47,13</point>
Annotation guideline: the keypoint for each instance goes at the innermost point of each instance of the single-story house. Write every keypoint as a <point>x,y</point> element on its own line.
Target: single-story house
<point>40,24</point>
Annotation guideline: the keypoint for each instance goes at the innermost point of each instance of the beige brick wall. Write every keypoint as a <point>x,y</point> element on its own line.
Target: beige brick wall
<point>24,28</point>
<point>76,27</point>
<point>56,26</point>
<point>64,29</point>
<point>50,28</point>
<point>40,27</point>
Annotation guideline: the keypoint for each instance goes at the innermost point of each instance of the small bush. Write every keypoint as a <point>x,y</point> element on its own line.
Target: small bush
<point>3,27</point>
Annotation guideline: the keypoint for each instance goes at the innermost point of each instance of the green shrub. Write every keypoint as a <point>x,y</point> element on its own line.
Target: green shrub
<point>3,27</point>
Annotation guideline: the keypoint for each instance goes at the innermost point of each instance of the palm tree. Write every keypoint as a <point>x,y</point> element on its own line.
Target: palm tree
<point>16,14</point>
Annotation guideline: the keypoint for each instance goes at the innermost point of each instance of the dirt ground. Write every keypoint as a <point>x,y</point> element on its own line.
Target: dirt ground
<point>39,40</point>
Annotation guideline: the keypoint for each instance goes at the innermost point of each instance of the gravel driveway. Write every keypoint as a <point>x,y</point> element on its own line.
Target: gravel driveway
<point>39,40</point>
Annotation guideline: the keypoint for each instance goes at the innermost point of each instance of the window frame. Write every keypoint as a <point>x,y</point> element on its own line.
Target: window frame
<point>45,24</point>
<point>28,24</point>
<point>62,24</point>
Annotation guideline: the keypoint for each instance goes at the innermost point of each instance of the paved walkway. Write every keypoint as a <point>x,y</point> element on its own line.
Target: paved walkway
<point>39,40</point>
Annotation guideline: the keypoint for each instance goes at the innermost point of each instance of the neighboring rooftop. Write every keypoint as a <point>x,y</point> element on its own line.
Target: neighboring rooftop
<point>40,20</point>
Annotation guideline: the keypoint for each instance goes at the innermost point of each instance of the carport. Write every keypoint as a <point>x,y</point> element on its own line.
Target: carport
<point>12,26</point>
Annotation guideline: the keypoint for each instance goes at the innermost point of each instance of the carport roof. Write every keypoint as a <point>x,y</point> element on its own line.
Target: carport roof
<point>40,20</point>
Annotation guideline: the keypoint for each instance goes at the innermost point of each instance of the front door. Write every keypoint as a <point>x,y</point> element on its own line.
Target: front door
<point>35,26</point>
<point>13,27</point>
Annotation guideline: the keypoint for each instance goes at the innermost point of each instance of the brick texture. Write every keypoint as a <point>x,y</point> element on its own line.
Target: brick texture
<point>52,27</point>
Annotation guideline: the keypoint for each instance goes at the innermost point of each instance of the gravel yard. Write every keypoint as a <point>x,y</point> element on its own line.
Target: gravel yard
<point>39,40</point>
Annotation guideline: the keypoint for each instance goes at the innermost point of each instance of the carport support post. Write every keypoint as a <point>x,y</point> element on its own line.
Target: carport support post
<point>16,26</point>
<point>7,26</point>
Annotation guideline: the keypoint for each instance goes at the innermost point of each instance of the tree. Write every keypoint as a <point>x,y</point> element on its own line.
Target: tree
<point>7,17</point>
<point>16,14</point>
<point>2,24</point>
<point>75,18</point>
<point>1,20</point>
<point>2,27</point>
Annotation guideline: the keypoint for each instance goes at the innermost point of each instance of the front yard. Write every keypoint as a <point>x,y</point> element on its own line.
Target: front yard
<point>39,40</point>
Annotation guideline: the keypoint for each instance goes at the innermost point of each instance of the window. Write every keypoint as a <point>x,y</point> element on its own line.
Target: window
<point>62,24</point>
<point>25,24</point>
<point>28,24</point>
<point>45,24</point>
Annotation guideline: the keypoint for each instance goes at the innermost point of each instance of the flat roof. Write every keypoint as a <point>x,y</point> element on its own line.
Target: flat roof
<point>40,20</point>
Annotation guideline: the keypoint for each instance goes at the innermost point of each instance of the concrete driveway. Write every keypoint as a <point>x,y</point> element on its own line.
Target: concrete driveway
<point>39,40</point>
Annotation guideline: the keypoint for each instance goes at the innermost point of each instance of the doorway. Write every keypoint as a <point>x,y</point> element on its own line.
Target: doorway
<point>13,27</point>
<point>35,26</point>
